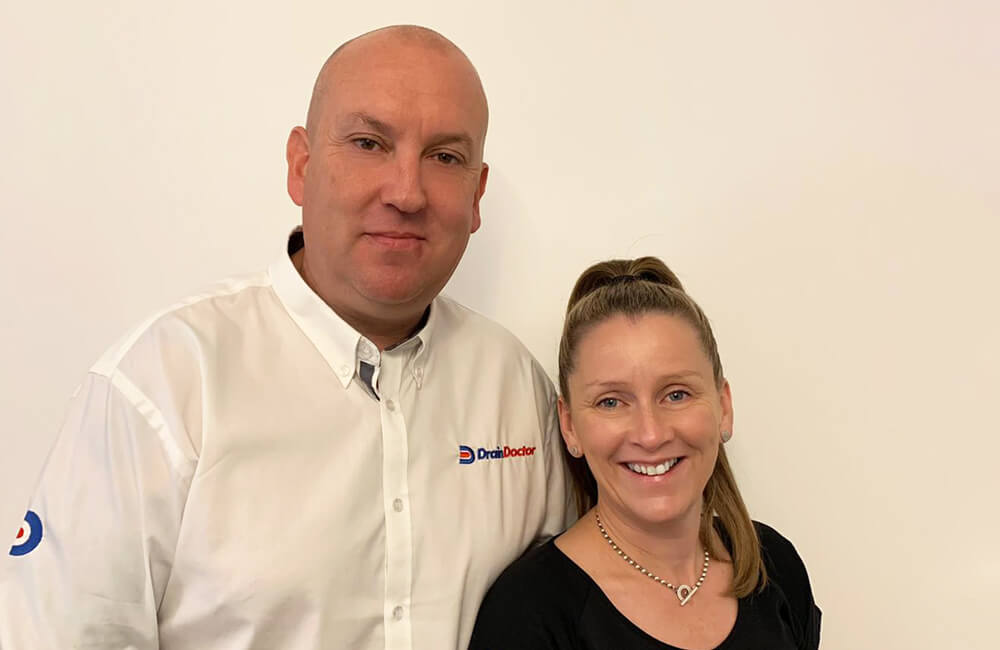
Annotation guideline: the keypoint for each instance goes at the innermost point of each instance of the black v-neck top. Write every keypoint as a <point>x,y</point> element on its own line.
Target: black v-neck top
<point>544,601</point>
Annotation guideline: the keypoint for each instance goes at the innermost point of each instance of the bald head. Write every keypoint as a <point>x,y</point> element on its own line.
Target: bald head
<point>387,43</point>
<point>389,173</point>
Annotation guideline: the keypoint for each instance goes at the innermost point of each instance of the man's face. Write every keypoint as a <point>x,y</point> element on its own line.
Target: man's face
<point>392,178</point>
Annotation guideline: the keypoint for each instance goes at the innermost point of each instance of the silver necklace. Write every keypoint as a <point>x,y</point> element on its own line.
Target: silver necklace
<point>683,592</point>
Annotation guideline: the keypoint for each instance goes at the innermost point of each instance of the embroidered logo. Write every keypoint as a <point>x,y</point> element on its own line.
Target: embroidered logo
<point>29,536</point>
<point>467,455</point>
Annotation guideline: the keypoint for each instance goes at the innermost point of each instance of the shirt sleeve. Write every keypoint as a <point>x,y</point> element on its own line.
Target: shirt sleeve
<point>786,567</point>
<point>102,527</point>
<point>808,613</point>
<point>560,511</point>
<point>810,638</point>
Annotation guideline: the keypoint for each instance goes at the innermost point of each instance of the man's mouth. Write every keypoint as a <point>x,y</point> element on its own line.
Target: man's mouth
<point>395,239</point>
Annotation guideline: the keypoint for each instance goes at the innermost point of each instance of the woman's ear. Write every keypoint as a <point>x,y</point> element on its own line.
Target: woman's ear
<point>566,427</point>
<point>726,403</point>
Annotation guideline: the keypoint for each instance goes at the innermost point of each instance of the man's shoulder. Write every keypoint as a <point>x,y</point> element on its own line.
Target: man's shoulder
<point>226,302</point>
<point>486,344</point>
<point>464,323</point>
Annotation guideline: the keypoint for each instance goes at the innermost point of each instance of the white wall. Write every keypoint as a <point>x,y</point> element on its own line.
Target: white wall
<point>823,176</point>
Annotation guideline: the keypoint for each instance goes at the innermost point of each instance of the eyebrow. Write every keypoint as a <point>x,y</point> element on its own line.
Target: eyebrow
<point>682,375</point>
<point>371,122</point>
<point>453,138</point>
<point>375,124</point>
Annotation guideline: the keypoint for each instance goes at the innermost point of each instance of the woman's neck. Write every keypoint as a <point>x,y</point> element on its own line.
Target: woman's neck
<point>671,550</point>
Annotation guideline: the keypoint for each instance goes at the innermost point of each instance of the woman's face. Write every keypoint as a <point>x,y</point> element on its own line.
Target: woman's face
<point>645,411</point>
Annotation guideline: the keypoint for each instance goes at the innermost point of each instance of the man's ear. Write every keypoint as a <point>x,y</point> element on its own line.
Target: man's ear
<point>566,426</point>
<point>476,219</point>
<point>297,156</point>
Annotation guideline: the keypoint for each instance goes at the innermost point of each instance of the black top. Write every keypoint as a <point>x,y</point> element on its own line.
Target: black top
<point>545,601</point>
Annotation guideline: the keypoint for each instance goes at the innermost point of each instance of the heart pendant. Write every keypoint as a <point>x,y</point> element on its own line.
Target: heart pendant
<point>684,594</point>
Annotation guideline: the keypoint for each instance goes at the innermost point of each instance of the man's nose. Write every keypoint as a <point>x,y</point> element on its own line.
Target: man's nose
<point>403,186</point>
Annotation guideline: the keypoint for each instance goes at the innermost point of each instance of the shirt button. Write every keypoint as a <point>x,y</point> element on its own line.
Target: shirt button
<point>368,351</point>
<point>389,404</point>
<point>397,613</point>
<point>345,370</point>
<point>397,505</point>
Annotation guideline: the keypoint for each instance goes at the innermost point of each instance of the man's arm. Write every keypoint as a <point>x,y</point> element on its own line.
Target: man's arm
<point>107,509</point>
<point>560,507</point>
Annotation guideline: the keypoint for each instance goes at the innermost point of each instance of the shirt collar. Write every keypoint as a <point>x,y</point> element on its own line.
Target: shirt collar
<point>338,342</point>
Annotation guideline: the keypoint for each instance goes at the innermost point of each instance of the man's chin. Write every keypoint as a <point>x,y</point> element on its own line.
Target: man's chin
<point>395,290</point>
<point>396,294</point>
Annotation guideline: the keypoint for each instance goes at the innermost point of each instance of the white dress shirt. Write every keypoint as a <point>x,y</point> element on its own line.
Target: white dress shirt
<point>225,480</point>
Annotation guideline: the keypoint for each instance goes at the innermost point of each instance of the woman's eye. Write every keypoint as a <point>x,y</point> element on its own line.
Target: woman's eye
<point>609,402</point>
<point>367,144</point>
<point>677,395</point>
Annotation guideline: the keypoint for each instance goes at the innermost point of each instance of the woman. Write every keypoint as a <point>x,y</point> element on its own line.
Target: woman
<point>664,554</point>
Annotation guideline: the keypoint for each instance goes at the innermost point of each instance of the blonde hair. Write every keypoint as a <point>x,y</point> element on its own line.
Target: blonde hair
<point>633,288</point>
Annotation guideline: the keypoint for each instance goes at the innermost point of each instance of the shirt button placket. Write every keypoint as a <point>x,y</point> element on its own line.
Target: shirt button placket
<point>398,539</point>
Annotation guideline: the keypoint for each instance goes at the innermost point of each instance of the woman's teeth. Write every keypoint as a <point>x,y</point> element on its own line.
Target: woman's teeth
<point>653,470</point>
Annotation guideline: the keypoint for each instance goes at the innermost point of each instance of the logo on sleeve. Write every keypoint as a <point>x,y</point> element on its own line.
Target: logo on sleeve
<point>467,455</point>
<point>28,536</point>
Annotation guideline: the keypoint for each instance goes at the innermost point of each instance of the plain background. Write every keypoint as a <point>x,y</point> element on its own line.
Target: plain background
<point>822,176</point>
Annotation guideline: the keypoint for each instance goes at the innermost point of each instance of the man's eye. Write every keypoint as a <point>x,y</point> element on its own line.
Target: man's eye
<point>609,403</point>
<point>446,158</point>
<point>366,143</point>
<point>677,395</point>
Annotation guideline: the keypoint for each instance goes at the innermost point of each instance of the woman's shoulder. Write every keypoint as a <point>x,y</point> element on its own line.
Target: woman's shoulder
<point>540,595</point>
<point>780,557</point>
<point>541,572</point>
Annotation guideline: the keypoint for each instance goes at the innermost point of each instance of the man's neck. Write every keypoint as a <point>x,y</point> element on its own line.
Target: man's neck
<point>384,332</point>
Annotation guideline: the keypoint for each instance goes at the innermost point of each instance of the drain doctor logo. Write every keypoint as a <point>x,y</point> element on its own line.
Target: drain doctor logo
<point>467,455</point>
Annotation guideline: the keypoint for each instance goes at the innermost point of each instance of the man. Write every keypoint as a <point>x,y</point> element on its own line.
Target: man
<point>326,455</point>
